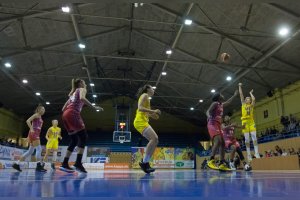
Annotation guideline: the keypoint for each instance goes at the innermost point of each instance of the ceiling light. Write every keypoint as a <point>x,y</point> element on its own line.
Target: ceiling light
<point>213,91</point>
<point>25,81</point>
<point>284,31</point>
<point>188,22</point>
<point>228,78</point>
<point>150,98</point>
<point>38,94</point>
<point>93,104</point>
<point>169,52</point>
<point>164,73</point>
<point>81,46</point>
<point>48,103</point>
<point>192,108</point>
<point>94,95</point>
<point>201,100</point>
<point>154,87</point>
<point>92,84</point>
<point>65,9</point>
<point>97,110</point>
<point>7,65</point>
<point>136,5</point>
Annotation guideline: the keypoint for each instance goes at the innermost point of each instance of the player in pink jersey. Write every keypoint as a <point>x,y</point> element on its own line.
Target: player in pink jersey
<point>35,124</point>
<point>231,141</point>
<point>74,124</point>
<point>214,116</point>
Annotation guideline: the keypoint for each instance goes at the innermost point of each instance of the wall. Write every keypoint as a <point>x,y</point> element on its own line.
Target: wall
<point>284,102</point>
<point>11,125</point>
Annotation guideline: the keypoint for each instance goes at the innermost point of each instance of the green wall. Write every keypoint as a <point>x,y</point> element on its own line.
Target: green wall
<point>11,125</point>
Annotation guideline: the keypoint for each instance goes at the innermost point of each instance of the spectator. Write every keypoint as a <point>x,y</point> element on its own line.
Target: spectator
<point>278,150</point>
<point>284,153</point>
<point>267,154</point>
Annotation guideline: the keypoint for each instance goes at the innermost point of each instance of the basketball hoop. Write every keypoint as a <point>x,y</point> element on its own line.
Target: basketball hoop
<point>122,139</point>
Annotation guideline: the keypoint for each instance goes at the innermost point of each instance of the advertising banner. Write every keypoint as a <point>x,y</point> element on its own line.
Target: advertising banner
<point>184,158</point>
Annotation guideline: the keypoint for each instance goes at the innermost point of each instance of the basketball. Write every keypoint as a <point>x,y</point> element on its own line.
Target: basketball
<point>225,57</point>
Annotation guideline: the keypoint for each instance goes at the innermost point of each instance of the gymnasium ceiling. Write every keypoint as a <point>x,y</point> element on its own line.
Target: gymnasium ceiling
<point>126,45</point>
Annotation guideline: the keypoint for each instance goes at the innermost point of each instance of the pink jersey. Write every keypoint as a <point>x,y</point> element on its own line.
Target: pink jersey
<point>228,133</point>
<point>37,123</point>
<point>74,102</point>
<point>217,113</point>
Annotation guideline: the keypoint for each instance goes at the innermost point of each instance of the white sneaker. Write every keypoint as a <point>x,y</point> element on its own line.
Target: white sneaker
<point>249,158</point>
<point>231,165</point>
<point>257,155</point>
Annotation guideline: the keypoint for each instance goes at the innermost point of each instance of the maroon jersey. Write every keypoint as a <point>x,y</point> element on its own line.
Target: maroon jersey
<point>37,124</point>
<point>217,113</point>
<point>228,133</point>
<point>74,102</point>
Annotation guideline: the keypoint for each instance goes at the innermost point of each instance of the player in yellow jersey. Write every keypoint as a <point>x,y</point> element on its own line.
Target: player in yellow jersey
<point>248,122</point>
<point>141,124</point>
<point>52,136</point>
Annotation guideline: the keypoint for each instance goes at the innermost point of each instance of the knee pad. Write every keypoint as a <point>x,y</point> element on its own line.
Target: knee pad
<point>253,136</point>
<point>82,138</point>
<point>38,152</point>
<point>247,138</point>
<point>29,152</point>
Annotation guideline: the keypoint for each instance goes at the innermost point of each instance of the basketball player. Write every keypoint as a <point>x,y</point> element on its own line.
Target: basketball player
<point>214,116</point>
<point>52,136</point>
<point>248,123</point>
<point>141,124</point>
<point>35,124</point>
<point>74,124</point>
<point>231,142</point>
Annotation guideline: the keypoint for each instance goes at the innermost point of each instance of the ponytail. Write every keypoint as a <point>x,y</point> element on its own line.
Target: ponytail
<point>142,90</point>
<point>75,84</point>
<point>38,108</point>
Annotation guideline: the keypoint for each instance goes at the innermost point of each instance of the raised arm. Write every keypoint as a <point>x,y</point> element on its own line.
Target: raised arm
<point>241,93</point>
<point>226,103</point>
<point>83,98</point>
<point>141,108</point>
<point>210,109</point>
<point>29,121</point>
<point>252,98</point>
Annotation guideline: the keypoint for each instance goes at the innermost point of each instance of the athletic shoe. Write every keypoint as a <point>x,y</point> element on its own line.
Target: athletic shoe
<point>149,169</point>
<point>144,167</point>
<point>257,155</point>
<point>16,167</point>
<point>223,167</point>
<point>53,166</point>
<point>212,164</point>
<point>66,168</point>
<point>79,167</point>
<point>40,167</point>
<point>232,166</point>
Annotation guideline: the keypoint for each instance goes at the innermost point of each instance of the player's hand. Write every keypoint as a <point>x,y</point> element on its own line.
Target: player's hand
<point>157,111</point>
<point>98,108</point>
<point>251,91</point>
<point>240,84</point>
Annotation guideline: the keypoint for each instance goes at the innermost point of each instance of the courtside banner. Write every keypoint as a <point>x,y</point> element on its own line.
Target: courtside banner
<point>94,166</point>
<point>184,158</point>
<point>98,152</point>
<point>137,154</point>
<point>10,153</point>
<point>118,166</point>
<point>163,157</point>
<point>97,159</point>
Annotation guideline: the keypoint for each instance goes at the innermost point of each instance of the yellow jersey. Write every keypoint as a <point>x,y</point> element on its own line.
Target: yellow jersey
<point>54,133</point>
<point>247,112</point>
<point>142,116</point>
